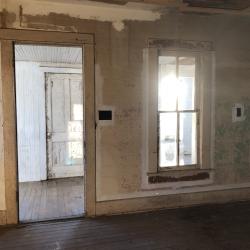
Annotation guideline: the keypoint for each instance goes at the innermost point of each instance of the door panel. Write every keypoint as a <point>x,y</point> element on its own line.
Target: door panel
<point>64,125</point>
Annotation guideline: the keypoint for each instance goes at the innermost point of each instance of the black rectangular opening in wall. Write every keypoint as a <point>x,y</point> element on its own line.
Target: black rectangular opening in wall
<point>105,115</point>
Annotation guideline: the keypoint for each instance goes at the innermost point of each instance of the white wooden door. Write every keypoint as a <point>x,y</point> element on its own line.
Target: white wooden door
<point>64,108</point>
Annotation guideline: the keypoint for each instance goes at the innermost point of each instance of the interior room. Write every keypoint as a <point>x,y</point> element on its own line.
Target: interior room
<point>49,111</point>
<point>125,124</point>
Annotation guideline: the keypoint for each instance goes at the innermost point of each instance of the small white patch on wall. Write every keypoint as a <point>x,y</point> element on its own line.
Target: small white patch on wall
<point>118,25</point>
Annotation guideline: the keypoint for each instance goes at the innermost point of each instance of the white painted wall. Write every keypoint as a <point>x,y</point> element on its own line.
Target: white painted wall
<point>31,125</point>
<point>31,122</point>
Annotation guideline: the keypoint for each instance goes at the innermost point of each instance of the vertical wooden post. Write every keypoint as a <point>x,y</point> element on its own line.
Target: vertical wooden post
<point>9,131</point>
<point>89,105</point>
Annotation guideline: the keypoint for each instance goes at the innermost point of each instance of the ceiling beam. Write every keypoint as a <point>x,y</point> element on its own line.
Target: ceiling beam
<point>219,4</point>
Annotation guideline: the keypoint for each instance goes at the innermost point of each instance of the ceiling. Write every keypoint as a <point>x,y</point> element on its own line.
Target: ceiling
<point>215,4</point>
<point>219,4</point>
<point>48,54</point>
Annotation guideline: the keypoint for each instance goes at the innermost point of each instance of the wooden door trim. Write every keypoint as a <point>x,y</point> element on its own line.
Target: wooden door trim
<point>9,131</point>
<point>8,37</point>
<point>33,36</point>
<point>90,132</point>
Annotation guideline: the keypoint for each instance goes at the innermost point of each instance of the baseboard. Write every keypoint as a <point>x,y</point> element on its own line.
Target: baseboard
<point>141,204</point>
<point>2,217</point>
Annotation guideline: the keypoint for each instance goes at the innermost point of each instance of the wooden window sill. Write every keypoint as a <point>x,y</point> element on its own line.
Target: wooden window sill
<point>173,176</point>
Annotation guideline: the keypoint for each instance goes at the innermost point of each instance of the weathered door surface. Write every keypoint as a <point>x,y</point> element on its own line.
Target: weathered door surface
<point>64,111</point>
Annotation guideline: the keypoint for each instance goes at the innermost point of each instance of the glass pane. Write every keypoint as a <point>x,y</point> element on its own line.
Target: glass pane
<point>187,144</point>
<point>168,84</point>
<point>186,83</point>
<point>167,140</point>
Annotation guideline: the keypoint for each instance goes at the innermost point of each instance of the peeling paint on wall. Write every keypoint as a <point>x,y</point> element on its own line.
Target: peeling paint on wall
<point>105,12</point>
<point>6,18</point>
<point>118,25</point>
<point>118,78</point>
<point>232,145</point>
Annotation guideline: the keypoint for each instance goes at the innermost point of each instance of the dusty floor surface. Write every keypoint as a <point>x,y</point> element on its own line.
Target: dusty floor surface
<point>52,199</point>
<point>208,227</point>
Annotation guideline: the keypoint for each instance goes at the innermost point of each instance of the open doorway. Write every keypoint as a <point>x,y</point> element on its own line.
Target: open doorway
<point>50,131</point>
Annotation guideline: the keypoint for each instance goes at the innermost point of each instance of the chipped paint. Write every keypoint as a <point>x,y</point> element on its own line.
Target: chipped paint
<point>119,84</point>
<point>6,18</point>
<point>91,11</point>
<point>118,25</point>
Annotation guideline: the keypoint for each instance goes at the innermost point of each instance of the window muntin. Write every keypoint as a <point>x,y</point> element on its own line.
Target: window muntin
<point>177,111</point>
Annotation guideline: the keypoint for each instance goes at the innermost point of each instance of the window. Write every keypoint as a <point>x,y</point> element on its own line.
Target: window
<point>178,110</point>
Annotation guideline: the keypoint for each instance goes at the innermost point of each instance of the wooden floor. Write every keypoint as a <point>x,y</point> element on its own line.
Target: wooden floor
<point>221,227</point>
<point>59,198</point>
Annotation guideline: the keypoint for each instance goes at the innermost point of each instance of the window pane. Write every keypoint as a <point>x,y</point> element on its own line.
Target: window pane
<point>186,83</point>
<point>187,144</point>
<point>167,140</point>
<point>168,84</point>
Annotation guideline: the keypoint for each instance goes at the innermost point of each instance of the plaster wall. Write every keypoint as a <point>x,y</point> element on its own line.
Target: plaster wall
<point>120,85</point>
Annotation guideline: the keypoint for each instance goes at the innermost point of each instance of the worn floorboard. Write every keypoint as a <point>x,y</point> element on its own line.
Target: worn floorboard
<point>43,200</point>
<point>213,227</point>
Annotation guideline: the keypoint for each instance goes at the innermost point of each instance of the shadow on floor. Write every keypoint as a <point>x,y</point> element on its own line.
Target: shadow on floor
<point>212,227</point>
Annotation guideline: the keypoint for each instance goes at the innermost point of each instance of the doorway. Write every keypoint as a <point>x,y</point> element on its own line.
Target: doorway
<point>50,131</point>
<point>64,117</point>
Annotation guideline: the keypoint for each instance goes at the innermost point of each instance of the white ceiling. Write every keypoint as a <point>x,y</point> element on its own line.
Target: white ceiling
<point>48,54</point>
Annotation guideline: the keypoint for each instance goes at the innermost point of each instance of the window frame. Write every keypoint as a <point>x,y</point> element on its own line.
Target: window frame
<point>206,62</point>
<point>177,53</point>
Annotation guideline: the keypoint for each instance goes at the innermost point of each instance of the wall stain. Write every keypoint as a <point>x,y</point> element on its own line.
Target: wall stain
<point>58,22</point>
<point>232,140</point>
<point>6,19</point>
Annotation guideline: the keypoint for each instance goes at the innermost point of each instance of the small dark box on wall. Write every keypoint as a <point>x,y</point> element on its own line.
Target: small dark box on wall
<point>105,115</point>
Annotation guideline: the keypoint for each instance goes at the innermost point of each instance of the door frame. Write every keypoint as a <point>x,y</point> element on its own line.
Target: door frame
<point>8,37</point>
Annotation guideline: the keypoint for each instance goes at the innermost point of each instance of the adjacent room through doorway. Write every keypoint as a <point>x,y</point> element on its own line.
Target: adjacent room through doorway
<point>50,131</point>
